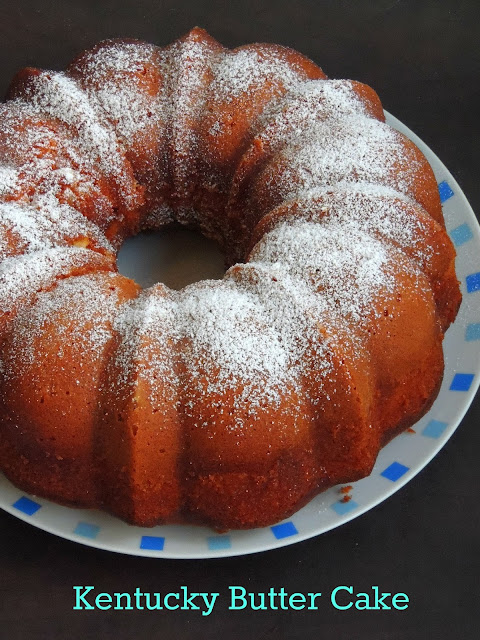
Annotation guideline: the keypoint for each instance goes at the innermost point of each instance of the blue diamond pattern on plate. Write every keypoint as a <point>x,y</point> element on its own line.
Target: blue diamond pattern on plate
<point>342,507</point>
<point>434,429</point>
<point>445,191</point>
<point>461,382</point>
<point>394,471</point>
<point>215,543</point>
<point>461,234</point>
<point>87,530</point>
<point>473,282</point>
<point>472,332</point>
<point>284,530</point>
<point>27,506</point>
<point>154,543</point>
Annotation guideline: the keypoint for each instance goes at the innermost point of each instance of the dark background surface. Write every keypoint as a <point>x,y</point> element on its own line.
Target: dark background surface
<point>423,58</point>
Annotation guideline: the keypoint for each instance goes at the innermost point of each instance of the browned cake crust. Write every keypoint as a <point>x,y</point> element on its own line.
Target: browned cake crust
<point>232,402</point>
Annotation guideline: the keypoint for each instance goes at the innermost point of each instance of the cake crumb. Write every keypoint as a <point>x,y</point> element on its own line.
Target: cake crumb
<point>346,489</point>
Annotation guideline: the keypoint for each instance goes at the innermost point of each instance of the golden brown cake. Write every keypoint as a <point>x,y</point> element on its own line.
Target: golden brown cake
<point>231,402</point>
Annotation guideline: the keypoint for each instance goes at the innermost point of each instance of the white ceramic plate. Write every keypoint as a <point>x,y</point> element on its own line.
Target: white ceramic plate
<point>397,463</point>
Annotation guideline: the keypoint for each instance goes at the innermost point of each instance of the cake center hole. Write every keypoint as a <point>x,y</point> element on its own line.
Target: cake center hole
<point>175,256</point>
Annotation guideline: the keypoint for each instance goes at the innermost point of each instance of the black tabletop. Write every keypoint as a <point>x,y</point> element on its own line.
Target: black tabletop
<point>423,59</point>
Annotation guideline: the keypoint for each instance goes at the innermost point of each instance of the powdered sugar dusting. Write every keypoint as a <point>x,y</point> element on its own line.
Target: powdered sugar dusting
<point>60,97</point>
<point>243,70</point>
<point>230,335</point>
<point>44,225</point>
<point>227,330</point>
<point>147,332</point>
<point>239,74</point>
<point>8,179</point>
<point>351,149</point>
<point>86,308</point>
<point>346,264</point>
<point>190,69</point>
<point>41,158</point>
<point>112,76</point>
<point>21,276</point>
<point>372,208</point>
<point>304,104</point>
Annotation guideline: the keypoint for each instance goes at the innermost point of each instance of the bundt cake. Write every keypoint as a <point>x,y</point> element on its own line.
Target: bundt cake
<point>230,402</point>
